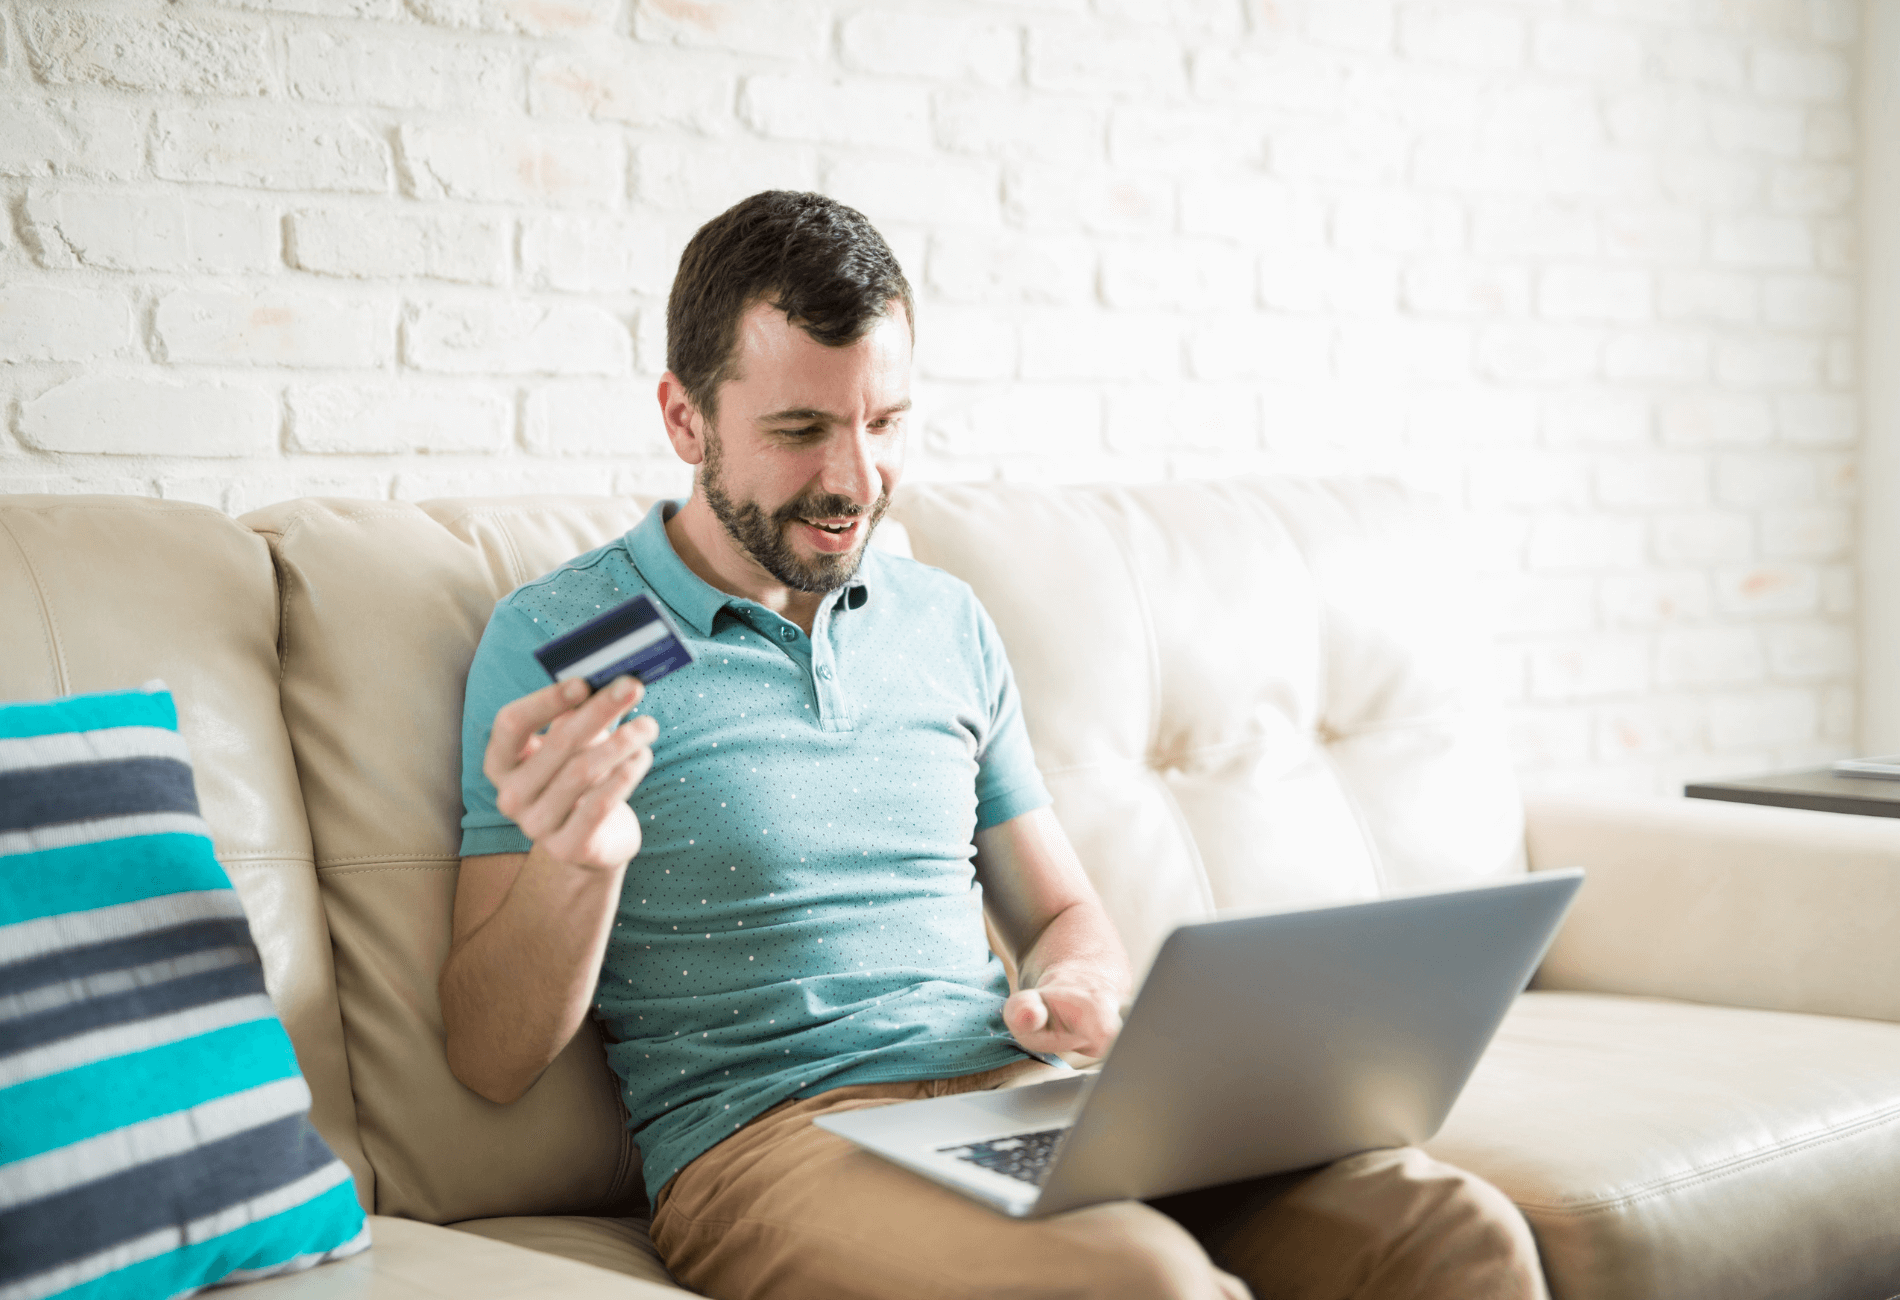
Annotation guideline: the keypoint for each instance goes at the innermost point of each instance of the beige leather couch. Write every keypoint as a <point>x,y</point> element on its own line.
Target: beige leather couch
<point>1243,695</point>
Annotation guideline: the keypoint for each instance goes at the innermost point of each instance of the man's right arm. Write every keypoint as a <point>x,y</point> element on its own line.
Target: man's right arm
<point>530,929</point>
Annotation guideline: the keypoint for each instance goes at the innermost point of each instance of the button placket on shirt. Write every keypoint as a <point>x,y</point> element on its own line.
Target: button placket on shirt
<point>824,655</point>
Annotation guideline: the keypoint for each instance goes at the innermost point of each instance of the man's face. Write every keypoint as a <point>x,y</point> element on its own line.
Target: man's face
<point>808,445</point>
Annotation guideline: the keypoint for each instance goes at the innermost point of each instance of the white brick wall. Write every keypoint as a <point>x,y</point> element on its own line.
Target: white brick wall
<point>1588,270</point>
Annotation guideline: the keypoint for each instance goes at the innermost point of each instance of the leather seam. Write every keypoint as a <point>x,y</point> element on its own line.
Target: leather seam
<point>62,679</point>
<point>1711,1173</point>
<point>357,871</point>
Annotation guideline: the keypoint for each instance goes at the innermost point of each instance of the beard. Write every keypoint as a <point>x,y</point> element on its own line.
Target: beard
<point>763,536</point>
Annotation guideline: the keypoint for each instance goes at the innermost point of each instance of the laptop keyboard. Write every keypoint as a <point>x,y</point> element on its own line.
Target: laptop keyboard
<point>1023,1156</point>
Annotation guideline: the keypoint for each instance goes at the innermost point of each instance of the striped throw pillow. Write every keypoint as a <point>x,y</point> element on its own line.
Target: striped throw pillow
<point>153,1130</point>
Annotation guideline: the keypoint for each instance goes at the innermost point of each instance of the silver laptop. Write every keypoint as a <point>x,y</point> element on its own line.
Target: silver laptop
<point>1258,1044</point>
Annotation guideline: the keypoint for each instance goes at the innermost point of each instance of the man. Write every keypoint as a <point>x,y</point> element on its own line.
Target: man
<point>764,883</point>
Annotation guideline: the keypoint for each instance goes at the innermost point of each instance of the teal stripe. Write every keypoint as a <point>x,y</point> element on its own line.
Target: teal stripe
<point>90,713</point>
<point>81,877</point>
<point>45,1114</point>
<point>320,1224</point>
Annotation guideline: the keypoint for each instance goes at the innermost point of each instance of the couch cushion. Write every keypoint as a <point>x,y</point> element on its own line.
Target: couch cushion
<point>1670,1149</point>
<point>153,1130</point>
<point>1243,694</point>
<point>104,593</point>
<point>618,1245</point>
<point>383,604</point>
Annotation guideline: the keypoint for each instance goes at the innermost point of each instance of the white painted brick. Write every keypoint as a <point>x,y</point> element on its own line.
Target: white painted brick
<point>1192,277</point>
<point>516,338</point>
<point>1472,418</point>
<point>509,165</point>
<point>134,51</point>
<point>1585,543</point>
<point>1364,25</point>
<point>1813,76</point>
<point>948,191</point>
<point>213,492</point>
<point>1658,728</point>
<point>1188,17</point>
<point>1719,297</point>
<point>1594,293</point>
<point>1834,21</point>
<point>1087,58</point>
<point>1252,209</point>
<point>1392,221</point>
<point>639,85</point>
<point>117,416</point>
<point>1053,419</point>
<point>1287,77</point>
<point>1353,148</point>
<point>1599,51</point>
<point>1539,354</point>
<point>831,112</point>
<point>1837,245</point>
<point>700,183</point>
<point>1542,605</point>
<point>379,9</point>
<point>115,231</point>
<point>43,322</point>
<point>1715,419</point>
<point>1528,480</point>
<point>1060,199</point>
<point>399,72</point>
<point>1643,355</point>
<point>1769,362</point>
<point>966,343</point>
<point>1819,532</point>
<point>1710,656</point>
<point>1548,737</point>
<point>90,139</point>
<point>1714,181</point>
<point>1256,348</point>
<point>595,418</point>
<point>503,477</point>
<point>384,244</point>
<point>274,328</point>
<point>1760,589</point>
<point>1197,417</point>
<point>1019,128</point>
<point>269,150</point>
<point>1466,288</point>
<point>1653,233</point>
<point>654,478</point>
<point>1772,130</point>
<point>649,339</point>
<point>1810,303</point>
<point>1763,718</point>
<point>1425,351</point>
<point>1658,116</point>
<point>1704,538</point>
<point>1176,140</point>
<point>354,418</point>
<point>1658,598</point>
<point>1843,362</point>
<point>1465,36</point>
<point>1595,418</point>
<point>1704,58</point>
<point>1659,480</point>
<point>1305,280</point>
<point>1590,667</point>
<point>1840,590</point>
<point>1005,266</point>
<point>949,47</point>
<point>528,17</point>
<point>586,253</point>
<point>1761,241</point>
<point>1534,228</point>
<point>1817,418</point>
<point>1088,345</point>
<point>1765,478</point>
<point>786,29</point>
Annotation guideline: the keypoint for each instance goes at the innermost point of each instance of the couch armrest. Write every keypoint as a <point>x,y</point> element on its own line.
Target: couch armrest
<point>1727,903</point>
<point>417,1261</point>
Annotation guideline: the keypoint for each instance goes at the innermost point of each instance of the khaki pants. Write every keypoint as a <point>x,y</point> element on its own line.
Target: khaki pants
<point>783,1210</point>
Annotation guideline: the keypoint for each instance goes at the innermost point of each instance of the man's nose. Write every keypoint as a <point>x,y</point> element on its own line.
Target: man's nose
<point>851,467</point>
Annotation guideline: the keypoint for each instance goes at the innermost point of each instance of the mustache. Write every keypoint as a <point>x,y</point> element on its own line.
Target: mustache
<point>826,507</point>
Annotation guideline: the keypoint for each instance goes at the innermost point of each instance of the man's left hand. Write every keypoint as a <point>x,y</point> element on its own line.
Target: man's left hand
<point>1065,1012</point>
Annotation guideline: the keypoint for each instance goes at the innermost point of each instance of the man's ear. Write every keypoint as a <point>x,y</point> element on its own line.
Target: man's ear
<point>685,427</point>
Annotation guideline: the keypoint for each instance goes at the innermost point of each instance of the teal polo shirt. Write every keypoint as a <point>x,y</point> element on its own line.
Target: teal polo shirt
<point>803,913</point>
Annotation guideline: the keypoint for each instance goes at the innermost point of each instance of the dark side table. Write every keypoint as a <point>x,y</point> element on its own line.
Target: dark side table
<point>1817,789</point>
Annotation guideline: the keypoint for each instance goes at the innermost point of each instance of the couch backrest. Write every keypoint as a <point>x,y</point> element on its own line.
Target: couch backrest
<point>106,593</point>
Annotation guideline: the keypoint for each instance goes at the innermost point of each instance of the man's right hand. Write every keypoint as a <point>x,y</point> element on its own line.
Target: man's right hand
<point>562,770</point>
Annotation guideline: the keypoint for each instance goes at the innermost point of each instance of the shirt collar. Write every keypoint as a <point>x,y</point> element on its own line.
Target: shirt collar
<point>685,592</point>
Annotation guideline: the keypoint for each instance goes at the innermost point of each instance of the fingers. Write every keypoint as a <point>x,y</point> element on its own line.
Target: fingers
<point>583,769</point>
<point>521,763</point>
<point>1063,1018</point>
<point>602,831</point>
<point>517,722</point>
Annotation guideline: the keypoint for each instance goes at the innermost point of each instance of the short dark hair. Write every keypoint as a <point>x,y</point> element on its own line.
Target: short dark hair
<point>811,257</point>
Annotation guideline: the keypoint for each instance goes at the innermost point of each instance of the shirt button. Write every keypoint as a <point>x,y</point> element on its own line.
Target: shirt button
<point>824,672</point>
<point>788,634</point>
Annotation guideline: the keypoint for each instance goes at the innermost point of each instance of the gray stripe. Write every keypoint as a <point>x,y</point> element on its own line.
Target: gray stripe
<point>18,752</point>
<point>153,1244</point>
<point>41,798</point>
<point>360,1242</point>
<point>27,939</point>
<point>50,996</point>
<point>41,838</point>
<point>119,1040</point>
<point>148,1140</point>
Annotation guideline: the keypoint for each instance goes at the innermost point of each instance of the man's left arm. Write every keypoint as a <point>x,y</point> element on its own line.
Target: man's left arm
<point>1074,974</point>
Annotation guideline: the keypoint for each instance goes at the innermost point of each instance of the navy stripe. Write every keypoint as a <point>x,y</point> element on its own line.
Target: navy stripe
<point>597,633</point>
<point>79,792</point>
<point>135,1004</point>
<point>120,954</point>
<point>160,1194</point>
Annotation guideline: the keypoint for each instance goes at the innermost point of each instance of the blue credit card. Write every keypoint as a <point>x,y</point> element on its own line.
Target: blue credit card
<point>631,640</point>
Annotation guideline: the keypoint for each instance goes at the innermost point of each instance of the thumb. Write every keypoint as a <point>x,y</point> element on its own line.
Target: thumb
<point>1026,1012</point>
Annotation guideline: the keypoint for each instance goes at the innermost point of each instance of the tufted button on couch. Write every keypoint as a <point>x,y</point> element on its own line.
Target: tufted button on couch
<point>1246,694</point>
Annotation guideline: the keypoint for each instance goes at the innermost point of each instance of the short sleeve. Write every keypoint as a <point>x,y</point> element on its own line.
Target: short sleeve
<point>504,670</point>
<point>1008,783</point>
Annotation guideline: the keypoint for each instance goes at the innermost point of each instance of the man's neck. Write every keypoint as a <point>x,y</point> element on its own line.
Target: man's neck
<point>703,543</point>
